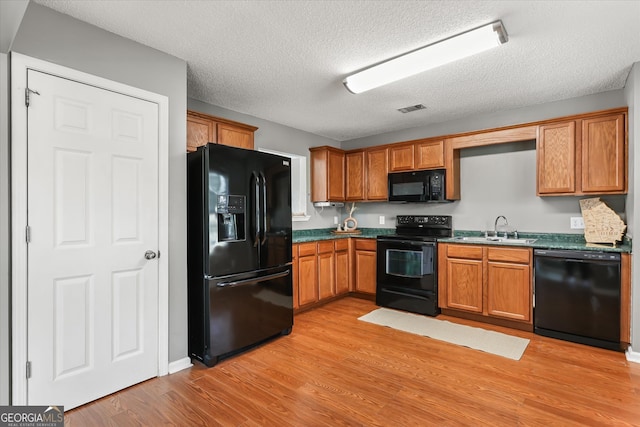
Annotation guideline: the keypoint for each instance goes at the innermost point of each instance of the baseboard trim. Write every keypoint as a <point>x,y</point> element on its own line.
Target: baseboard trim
<point>632,356</point>
<point>179,365</point>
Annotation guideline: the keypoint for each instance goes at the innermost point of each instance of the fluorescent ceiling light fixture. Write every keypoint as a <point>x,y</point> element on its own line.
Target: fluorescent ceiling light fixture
<point>428,57</point>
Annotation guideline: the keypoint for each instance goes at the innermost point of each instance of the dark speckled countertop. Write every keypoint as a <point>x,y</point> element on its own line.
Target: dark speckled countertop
<point>574,242</point>
<point>543,240</point>
<point>302,236</point>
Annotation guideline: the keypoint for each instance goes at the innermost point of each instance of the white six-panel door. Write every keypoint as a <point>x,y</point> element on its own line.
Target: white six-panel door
<point>92,214</point>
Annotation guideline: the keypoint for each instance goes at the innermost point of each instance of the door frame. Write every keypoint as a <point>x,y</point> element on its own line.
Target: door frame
<point>19,278</point>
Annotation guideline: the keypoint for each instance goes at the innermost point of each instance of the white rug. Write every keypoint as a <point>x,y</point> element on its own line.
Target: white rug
<point>489,341</point>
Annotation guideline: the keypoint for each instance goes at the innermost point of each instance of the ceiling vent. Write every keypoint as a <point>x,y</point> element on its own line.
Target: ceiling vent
<point>412,108</point>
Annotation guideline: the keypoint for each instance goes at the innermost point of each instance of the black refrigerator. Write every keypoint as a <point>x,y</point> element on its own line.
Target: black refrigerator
<point>238,250</point>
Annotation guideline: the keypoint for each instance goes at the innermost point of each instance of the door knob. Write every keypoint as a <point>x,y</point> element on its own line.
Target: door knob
<point>150,255</point>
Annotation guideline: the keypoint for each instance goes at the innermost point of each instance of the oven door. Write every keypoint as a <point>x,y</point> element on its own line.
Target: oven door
<point>406,276</point>
<point>407,264</point>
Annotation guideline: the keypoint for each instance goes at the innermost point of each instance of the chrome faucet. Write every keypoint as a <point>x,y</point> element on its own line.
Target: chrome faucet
<point>495,226</point>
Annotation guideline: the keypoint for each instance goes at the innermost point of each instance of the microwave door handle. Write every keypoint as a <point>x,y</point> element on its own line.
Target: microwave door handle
<point>426,188</point>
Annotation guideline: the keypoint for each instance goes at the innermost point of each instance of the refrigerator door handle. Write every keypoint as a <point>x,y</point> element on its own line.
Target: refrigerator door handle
<point>256,180</point>
<point>264,209</point>
<point>254,280</point>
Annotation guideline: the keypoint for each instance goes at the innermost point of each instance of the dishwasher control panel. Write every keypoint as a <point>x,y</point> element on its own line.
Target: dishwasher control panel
<point>589,255</point>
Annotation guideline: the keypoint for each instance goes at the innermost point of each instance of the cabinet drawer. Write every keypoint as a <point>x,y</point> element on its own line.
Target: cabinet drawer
<point>521,256</point>
<point>325,246</point>
<point>464,251</point>
<point>306,249</point>
<point>342,244</point>
<point>366,244</point>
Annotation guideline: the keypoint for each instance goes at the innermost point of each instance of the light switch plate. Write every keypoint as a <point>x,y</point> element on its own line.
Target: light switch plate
<point>381,219</point>
<point>335,220</point>
<point>577,223</point>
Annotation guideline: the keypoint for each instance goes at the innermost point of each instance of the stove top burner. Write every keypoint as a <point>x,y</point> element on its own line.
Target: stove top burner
<point>410,237</point>
<point>424,226</point>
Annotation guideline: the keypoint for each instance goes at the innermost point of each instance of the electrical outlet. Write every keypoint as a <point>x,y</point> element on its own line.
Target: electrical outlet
<point>577,223</point>
<point>335,220</point>
<point>381,219</point>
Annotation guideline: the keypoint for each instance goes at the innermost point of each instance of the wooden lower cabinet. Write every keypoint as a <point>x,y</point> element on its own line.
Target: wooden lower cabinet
<point>489,281</point>
<point>464,284</point>
<point>307,274</point>
<point>342,266</point>
<point>326,270</point>
<point>365,265</point>
<point>508,291</point>
<point>294,275</point>
<point>321,271</point>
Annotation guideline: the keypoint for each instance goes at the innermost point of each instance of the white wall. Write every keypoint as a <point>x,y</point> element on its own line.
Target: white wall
<point>5,379</point>
<point>11,12</point>
<point>274,136</point>
<point>632,96</point>
<point>497,180</point>
<point>61,39</point>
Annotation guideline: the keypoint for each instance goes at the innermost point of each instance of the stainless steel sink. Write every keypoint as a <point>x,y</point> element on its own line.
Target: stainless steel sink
<point>495,240</point>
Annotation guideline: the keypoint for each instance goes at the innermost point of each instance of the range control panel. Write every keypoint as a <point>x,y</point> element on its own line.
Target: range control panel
<point>424,220</point>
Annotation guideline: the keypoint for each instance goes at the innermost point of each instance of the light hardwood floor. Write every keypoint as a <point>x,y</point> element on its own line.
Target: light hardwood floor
<point>334,370</point>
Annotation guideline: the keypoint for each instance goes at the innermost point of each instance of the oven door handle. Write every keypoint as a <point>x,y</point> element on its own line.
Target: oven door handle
<point>405,294</point>
<point>408,276</point>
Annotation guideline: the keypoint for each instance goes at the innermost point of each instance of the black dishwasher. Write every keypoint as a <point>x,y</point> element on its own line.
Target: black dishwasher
<point>577,296</point>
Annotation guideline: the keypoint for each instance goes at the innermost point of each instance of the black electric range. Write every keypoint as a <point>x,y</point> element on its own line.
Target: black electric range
<point>407,277</point>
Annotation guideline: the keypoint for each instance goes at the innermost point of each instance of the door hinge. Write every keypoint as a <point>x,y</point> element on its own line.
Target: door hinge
<point>27,234</point>
<point>27,95</point>
<point>28,370</point>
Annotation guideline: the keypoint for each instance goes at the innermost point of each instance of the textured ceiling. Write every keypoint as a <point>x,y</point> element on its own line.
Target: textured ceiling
<point>284,61</point>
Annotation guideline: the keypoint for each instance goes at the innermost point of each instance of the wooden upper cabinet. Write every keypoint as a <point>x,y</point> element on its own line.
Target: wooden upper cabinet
<point>235,136</point>
<point>422,154</point>
<point>603,154</point>
<point>327,174</point>
<point>429,154</point>
<point>203,128</point>
<point>354,171</point>
<point>401,158</point>
<point>376,175</point>
<point>199,132</point>
<point>585,156</point>
<point>556,158</point>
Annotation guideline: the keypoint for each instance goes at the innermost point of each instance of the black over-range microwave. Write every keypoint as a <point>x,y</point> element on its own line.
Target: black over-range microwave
<point>417,186</point>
